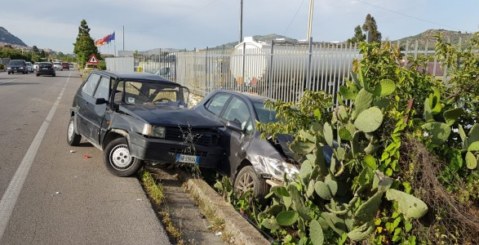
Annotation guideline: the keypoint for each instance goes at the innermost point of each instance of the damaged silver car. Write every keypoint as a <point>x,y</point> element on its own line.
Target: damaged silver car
<point>253,163</point>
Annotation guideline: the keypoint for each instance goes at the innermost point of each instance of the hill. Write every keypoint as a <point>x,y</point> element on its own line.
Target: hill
<point>429,37</point>
<point>8,38</point>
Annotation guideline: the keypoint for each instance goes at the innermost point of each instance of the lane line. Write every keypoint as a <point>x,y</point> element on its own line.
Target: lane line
<point>9,81</point>
<point>9,199</point>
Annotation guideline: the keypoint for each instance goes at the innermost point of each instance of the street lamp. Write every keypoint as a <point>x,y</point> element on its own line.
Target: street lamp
<point>241,22</point>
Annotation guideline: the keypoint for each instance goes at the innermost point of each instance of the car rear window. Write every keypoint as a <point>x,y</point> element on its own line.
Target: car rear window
<point>17,62</point>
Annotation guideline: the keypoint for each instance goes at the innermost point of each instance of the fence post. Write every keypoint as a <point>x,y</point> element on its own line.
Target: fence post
<point>207,82</point>
<point>243,66</point>
<point>308,84</point>
<point>270,75</point>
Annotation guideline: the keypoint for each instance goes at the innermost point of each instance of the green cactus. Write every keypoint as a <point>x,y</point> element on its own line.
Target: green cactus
<point>369,120</point>
<point>384,88</point>
<point>409,205</point>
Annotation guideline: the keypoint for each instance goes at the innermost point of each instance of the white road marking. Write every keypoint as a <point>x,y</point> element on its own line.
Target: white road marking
<point>9,199</point>
<point>9,81</point>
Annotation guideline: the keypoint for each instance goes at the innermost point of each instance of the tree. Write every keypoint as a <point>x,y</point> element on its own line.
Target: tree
<point>370,27</point>
<point>84,45</point>
<point>359,36</point>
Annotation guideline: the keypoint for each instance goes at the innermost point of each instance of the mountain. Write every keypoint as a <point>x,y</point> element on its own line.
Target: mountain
<point>429,37</point>
<point>8,38</point>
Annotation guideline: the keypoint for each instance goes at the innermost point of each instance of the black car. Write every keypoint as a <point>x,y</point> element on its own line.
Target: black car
<point>17,66</point>
<point>253,163</point>
<point>136,118</point>
<point>45,68</point>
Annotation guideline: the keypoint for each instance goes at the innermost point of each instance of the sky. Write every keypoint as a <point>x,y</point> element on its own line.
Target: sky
<point>188,24</point>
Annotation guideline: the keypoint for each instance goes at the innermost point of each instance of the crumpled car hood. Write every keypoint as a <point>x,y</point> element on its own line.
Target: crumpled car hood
<point>169,116</point>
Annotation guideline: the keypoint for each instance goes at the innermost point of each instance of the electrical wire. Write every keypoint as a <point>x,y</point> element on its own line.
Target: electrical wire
<point>294,17</point>
<point>407,15</point>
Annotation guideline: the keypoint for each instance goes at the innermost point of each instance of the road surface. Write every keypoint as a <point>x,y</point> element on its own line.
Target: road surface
<point>53,193</point>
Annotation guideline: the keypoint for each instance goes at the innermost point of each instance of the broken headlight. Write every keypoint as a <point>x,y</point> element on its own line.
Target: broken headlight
<point>278,167</point>
<point>153,131</point>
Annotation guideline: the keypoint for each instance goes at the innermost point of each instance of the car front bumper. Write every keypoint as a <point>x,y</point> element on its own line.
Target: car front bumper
<point>166,151</point>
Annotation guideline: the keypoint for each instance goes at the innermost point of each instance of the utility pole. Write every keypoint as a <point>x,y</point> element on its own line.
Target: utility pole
<point>123,38</point>
<point>241,22</point>
<point>310,19</point>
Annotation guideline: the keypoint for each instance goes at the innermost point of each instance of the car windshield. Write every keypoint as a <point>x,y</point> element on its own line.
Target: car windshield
<point>141,93</point>
<point>265,115</point>
<point>16,62</point>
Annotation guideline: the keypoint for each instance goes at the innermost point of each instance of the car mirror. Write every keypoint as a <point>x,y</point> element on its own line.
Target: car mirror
<point>100,101</point>
<point>233,125</point>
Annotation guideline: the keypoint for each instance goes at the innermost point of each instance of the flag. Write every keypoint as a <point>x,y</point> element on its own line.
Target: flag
<point>104,40</point>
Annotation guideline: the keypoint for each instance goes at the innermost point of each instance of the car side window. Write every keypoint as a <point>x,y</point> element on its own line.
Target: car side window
<point>103,89</point>
<point>216,104</point>
<point>90,84</point>
<point>237,111</point>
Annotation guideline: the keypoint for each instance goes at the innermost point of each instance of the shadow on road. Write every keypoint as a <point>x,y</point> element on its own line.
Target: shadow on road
<point>16,83</point>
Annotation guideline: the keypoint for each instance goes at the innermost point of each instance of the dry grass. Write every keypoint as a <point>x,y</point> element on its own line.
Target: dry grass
<point>448,221</point>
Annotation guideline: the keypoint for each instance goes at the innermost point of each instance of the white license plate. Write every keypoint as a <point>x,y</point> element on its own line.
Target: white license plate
<point>187,159</point>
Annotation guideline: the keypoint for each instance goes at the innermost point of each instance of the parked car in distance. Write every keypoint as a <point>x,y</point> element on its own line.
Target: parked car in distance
<point>45,68</point>
<point>29,67</point>
<point>137,118</point>
<point>252,162</point>
<point>65,66</point>
<point>17,66</point>
<point>57,66</point>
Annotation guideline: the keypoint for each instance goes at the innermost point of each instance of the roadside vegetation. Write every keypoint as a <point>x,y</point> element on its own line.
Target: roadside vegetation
<point>404,164</point>
<point>156,195</point>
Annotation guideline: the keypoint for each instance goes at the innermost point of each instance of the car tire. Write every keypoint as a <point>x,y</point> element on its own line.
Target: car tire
<point>247,179</point>
<point>73,138</point>
<point>118,159</point>
<point>38,75</point>
<point>53,75</point>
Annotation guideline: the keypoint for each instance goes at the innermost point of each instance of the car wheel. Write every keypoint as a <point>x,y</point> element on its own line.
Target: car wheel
<point>247,179</point>
<point>53,75</point>
<point>38,75</point>
<point>73,138</point>
<point>118,159</point>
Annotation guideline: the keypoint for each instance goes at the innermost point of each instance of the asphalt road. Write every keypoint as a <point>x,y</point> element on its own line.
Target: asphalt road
<point>50,195</point>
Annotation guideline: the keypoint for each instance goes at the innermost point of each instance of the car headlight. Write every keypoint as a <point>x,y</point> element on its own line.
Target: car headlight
<point>278,167</point>
<point>153,131</point>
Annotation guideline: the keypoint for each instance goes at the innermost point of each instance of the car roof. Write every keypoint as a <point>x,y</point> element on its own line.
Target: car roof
<point>136,77</point>
<point>247,96</point>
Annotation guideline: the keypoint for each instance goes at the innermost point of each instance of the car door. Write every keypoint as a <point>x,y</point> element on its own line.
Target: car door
<point>91,114</point>
<point>237,141</point>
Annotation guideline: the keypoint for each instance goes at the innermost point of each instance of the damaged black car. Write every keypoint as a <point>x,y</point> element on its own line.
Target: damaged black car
<point>138,118</point>
<point>254,163</point>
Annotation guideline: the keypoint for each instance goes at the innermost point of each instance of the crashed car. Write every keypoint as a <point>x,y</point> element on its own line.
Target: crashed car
<point>254,163</point>
<point>138,118</point>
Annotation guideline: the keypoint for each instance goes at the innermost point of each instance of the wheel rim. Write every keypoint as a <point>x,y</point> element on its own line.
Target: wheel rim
<point>71,131</point>
<point>245,182</point>
<point>120,156</point>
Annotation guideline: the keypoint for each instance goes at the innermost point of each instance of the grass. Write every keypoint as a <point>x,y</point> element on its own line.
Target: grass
<point>156,195</point>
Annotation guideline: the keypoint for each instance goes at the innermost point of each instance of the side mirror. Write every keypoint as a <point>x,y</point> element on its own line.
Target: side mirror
<point>233,125</point>
<point>100,101</point>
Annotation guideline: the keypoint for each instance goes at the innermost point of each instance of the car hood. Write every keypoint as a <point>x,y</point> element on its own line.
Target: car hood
<point>169,116</point>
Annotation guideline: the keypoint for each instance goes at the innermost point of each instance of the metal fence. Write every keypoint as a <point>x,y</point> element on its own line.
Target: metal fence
<point>276,70</point>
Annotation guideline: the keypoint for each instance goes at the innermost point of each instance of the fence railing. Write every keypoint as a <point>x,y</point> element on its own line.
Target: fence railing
<point>276,70</point>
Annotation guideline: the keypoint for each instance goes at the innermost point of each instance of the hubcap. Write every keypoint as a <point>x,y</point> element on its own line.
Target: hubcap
<point>245,183</point>
<point>120,156</point>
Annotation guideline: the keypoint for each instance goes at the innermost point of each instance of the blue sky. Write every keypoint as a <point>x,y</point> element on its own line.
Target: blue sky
<point>200,23</point>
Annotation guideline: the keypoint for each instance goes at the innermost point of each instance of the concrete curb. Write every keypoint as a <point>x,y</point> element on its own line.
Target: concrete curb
<point>235,224</point>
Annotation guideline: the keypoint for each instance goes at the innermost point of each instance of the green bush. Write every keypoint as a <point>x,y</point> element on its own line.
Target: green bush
<point>405,145</point>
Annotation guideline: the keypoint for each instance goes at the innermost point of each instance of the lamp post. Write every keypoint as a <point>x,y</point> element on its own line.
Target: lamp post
<point>241,22</point>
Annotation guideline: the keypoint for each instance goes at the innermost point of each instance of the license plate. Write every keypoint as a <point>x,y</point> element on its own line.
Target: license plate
<point>187,159</point>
